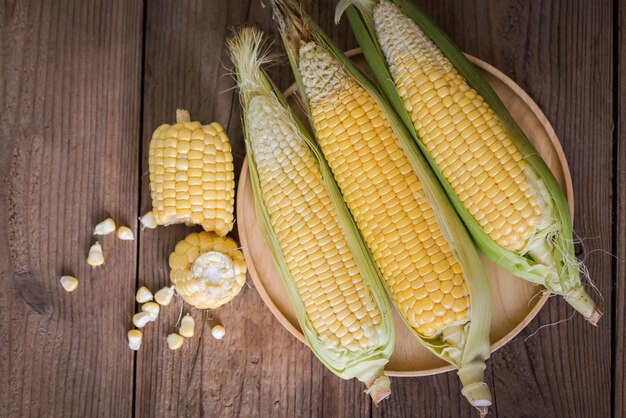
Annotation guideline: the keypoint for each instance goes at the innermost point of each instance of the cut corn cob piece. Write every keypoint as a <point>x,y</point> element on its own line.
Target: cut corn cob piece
<point>332,282</point>
<point>208,270</point>
<point>507,196</point>
<point>191,175</point>
<point>428,262</point>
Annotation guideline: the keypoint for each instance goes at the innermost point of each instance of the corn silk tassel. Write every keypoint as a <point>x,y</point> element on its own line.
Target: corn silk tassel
<point>325,266</point>
<point>508,198</point>
<point>429,264</point>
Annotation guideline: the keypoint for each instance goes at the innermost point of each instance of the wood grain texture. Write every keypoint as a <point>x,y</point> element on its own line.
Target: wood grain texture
<point>619,246</point>
<point>69,106</point>
<point>258,369</point>
<point>70,98</point>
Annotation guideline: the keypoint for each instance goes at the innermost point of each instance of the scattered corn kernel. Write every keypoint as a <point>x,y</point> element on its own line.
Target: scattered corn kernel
<point>125,233</point>
<point>218,332</point>
<point>147,221</point>
<point>164,296</point>
<point>175,341</point>
<point>152,309</point>
<point>187,326</point>
<point>143,295</point>
<point>105,227</point>
<point>69,283</point>
<point>141,319</point>
<point>134,339</point>
<point>96,256</point>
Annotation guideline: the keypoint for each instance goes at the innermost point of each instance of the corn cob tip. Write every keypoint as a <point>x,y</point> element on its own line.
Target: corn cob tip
<point>483,411</point>
<point>379,388</point>
<point>595,316</point>
<point>182,116</point>
<point>580,300</point>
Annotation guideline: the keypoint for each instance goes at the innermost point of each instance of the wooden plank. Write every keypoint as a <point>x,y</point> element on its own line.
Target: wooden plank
<point>259,369</point>
<point>619,262</point>
<point>69,107</point>
<point>560,53</point>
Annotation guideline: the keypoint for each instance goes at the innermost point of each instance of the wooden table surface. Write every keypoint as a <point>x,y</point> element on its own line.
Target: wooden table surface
<point>84,83</point>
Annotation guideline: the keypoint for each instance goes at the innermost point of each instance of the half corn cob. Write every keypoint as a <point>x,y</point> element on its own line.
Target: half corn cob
<point>207,270</point>
<point>429,264</point>
<point>507,196</point>
<point>191,175</point>
<point>341,306</point>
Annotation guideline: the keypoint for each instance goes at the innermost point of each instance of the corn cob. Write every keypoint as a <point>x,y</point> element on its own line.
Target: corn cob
<point>207,270</point>
<point>191,175</point>
<point>508,198</point>
<point>341,306</point>
<point>428,262</point>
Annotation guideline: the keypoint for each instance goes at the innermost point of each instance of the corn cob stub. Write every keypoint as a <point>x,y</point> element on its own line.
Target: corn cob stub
<point>191,175</point>
<point>207,270</point>
<point>337,301</point>
<point>461,131</point>
<point>384,195</point>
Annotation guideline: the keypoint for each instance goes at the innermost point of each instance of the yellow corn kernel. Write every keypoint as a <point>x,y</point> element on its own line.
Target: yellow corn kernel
<point>194,174</point>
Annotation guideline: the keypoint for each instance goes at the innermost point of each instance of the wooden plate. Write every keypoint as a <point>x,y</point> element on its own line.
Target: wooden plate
<point>515,301</point>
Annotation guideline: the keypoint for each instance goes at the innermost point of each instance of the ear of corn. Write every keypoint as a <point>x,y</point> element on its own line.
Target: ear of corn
<point>207,270</point>
<point>500,186</point>
<point>191,175</point>
<point>331,279</point>
<point>429,264</point>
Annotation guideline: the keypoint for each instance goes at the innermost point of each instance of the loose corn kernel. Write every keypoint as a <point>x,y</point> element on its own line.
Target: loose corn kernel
<point>218,332</point>
<point>134,339</point>
<point>147,221</point>
<point>187,325</point>
<point>69,283</point>
<point>143,295</point>
<point>105,227</point>
<point>164,296</point>
<point>125,233</point>
<point>141,319</point>
<point>151,308</point>
<point>95,257</point>
<point>175,341</point>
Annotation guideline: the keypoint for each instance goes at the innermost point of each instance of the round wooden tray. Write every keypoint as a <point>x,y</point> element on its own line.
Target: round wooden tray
<point>515,301</point>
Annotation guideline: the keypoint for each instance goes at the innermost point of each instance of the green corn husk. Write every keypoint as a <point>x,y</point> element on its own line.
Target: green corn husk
<point>467,349</point>
<point>549,258</point>
<point>367,364</point>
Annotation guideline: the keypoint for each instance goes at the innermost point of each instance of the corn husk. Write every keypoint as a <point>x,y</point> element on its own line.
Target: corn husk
<point>466,347</point>
<point>367,364</point>
<point>547,260</point>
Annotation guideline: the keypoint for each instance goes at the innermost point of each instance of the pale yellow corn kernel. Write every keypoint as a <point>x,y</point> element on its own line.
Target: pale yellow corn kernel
<point>140,319</point>
<point>152,308</point>
<point>468,141</point>
<point>300,208</point>
<point>187,325</point>
<point>125,233</point>
<point>134,339</point>
<point>105,227</point>
<point>95,257</point>
<point>207,269</point>
<point>218,332</point>
<point>175,341</point>
<point>143,295</point>
<point>164,295</point>
<point>193,161</point>
<point>69,283</point>
<point>147,220</point>
<point>383,193</point>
